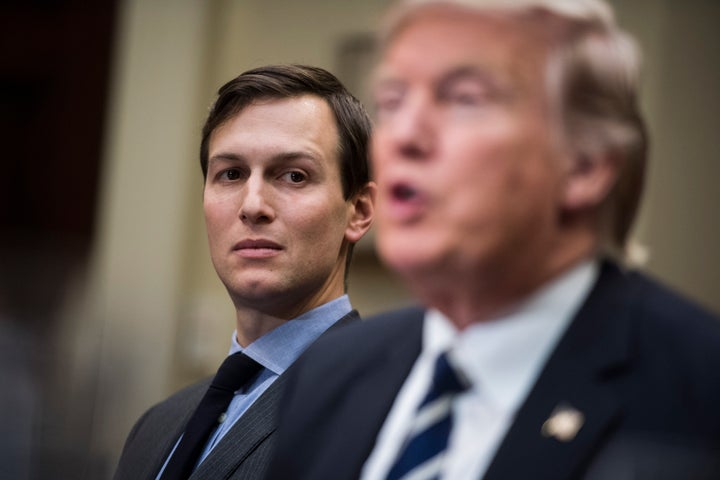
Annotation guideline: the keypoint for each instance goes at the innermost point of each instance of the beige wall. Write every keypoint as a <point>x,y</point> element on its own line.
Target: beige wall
<point>136,279</point>
<point>154,314</point>
<point>679,221</point>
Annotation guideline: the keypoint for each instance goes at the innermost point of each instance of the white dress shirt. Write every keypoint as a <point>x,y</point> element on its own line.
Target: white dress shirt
<point>501,358</point>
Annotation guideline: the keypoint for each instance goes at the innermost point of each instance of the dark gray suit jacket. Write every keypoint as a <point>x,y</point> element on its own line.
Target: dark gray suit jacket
<point>641,364</point>
<point>243,453</point>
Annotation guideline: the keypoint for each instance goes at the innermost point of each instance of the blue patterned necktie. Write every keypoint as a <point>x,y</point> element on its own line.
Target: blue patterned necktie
<point>422,455</point>
<point>236,371</point>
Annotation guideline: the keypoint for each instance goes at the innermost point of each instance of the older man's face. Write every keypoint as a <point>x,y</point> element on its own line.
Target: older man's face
<point>465,152</point>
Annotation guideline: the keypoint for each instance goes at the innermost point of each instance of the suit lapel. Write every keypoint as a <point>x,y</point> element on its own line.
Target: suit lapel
<point>252,428</point>
<point>359,405</point>
<point>168,443</point>
<point>374,389</point>
<point>578,379</point>
<point>160,429</point>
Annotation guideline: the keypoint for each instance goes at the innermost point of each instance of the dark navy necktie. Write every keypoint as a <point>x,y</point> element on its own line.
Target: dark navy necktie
<point>233,374</point>
<point>422,455</point>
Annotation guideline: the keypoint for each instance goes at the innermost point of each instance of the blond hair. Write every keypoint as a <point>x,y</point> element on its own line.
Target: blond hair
<point>592,76</point>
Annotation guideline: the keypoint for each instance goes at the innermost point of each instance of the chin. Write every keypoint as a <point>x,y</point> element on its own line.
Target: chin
<point>406,262</point>
<point>252,288</point>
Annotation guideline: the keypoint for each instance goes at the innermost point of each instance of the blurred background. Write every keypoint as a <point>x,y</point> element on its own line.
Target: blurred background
<point>108,299</point>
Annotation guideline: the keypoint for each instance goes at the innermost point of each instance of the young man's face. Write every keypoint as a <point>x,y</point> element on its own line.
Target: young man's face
<point>274,208</point>
<point>467,166</point>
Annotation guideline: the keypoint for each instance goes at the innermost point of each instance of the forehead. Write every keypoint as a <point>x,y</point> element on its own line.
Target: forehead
<point>288,112</point>
<point>305,121</point>
<point>434,39</point>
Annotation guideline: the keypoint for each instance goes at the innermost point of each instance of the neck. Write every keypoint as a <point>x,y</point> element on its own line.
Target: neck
<point>483,294</point>
<point>253,324</point>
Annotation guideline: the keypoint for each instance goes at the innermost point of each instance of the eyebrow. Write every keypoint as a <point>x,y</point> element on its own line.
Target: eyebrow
<point>462,72</point>
<point>225,157</point>
<point>469,72</point>
<point>382,76</point>
<point>280,157</point>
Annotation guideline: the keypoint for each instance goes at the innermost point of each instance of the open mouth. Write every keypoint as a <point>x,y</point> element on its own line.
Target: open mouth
<point>405,203</point>
<point>403,192</point>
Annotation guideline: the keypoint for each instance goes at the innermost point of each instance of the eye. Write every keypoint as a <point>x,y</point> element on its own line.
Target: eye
<point>466,92</point>
<point>387,100</point>
<point>465,96</point>
<point>294,177</point>
<point>230,174</point>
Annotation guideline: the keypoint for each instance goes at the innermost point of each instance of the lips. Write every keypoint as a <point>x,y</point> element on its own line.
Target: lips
<point>405,202</point>
<point>403,192</point>
<point>257,248</point>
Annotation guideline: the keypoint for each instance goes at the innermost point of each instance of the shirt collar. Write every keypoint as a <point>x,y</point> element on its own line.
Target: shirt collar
<point>280,347</point>
<point>503,357</point>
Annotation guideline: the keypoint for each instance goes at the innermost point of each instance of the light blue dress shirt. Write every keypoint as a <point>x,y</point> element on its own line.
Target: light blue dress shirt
<point>275,351</point>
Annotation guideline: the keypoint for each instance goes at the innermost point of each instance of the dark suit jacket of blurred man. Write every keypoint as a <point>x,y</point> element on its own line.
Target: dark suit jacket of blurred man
<point>642,365</point>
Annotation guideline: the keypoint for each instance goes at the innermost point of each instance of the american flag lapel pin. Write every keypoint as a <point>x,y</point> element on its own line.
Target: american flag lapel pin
<point>564,423</point>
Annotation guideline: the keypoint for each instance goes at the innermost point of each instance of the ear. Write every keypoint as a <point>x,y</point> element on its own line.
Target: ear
<point>362,212</point>
<point>590,179</point>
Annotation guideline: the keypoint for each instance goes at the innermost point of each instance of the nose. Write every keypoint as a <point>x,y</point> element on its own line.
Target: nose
<point>409,130</point>
<point>256,202</point>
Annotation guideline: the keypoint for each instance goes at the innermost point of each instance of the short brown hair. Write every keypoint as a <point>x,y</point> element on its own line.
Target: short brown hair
<point>287,81</point>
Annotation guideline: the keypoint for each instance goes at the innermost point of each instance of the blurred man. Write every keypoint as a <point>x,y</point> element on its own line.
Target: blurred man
<point>286,196</point>
<point>509,154</point>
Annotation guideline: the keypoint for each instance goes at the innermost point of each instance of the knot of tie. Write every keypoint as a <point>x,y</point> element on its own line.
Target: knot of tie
<point>446,381</point>
<point>235,372</point>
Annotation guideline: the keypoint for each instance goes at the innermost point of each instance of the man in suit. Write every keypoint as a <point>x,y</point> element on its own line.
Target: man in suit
<point>286,196</point>
<point>509,154</point>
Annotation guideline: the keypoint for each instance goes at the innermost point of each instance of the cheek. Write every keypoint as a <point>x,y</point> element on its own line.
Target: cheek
<point>217,215</point>
<point>501,158</point>
<point>322,221</point>
<point>485,183</point>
